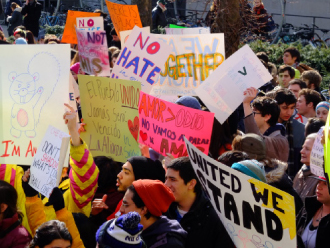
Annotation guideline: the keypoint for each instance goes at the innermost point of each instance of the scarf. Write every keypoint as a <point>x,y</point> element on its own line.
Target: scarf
<point>257,10</point>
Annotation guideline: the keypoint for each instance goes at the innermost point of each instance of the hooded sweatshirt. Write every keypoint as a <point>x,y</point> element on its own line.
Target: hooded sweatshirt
<point>164,233</point>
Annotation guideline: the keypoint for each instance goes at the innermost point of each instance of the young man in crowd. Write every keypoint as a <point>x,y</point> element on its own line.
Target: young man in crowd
<point>313,80</point>
<point>193,209</point>
<point>115,39</point>
<point>297,85</point>
<point>294,130</point>
<point>302,183</point>
<point>285,75</point>
<point>261,119</point>
<point>307,101</point>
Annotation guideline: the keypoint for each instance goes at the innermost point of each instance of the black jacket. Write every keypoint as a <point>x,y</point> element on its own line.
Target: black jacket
<point>15,20</point>
<point>203,225</point>
<point>158,18</point>
<point>164,233</point>
<point>31,21</point>
<point>305,216</point>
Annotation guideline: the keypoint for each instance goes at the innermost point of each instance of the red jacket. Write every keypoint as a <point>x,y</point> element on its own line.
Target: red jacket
<point>18,237</point>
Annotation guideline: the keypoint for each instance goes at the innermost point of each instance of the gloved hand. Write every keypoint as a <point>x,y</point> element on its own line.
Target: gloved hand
<point>28,190</point>
<point>56,199</point>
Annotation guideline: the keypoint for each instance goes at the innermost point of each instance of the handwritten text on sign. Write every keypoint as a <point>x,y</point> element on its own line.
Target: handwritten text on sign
<point>254,213</point>
<point>90,23</point>
<point>45,166</point>
<point>110,111</point>
<point>163,126</point>
<point>142,59</point>
<point>93,52</point>
<point>317,153</point>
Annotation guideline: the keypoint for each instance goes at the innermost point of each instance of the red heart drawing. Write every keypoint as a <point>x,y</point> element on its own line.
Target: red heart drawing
<point>134,128</point>
<point>144,136</point>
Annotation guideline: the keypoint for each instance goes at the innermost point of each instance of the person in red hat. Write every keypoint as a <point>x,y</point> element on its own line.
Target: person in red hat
<point>150,199</point>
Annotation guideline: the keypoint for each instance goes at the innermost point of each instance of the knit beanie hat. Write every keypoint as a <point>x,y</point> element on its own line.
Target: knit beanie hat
<point>123,232</point>
<point>189,101</point>
<point>162,2</point>
<point>20,41</point>
<point>75,67</point>
<point>146,168</point>
<point>251,168</point>
<point>254,145</point>
<point>156,196</point>
<point>323,104</point>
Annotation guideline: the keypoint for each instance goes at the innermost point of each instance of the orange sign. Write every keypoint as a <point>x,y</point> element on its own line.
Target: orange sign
<point>124,17</point>
<point>69,34</point>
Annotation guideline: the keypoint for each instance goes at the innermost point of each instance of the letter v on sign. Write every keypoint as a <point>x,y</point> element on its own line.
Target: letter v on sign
<point>173,116</point>
<point>243,73</point>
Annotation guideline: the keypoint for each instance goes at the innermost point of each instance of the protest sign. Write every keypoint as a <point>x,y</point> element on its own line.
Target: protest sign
<point>46,169</point>
<point>90,23</point>
<point>163,126</point>
<point>176,26</point>
<point>327,150</point>
<point>142,59</point>
<point>125,34</point>
<point>192,60</point>
<point>124,17</point>
<point>72,95</point>
<point>69,33</point>
<point>222,92</point>
<point>33,90</point>
<point>254,213</point>
<point>317,153</point>
<point>93,52</point>
<point>171,31</point>
<point>110,110</point>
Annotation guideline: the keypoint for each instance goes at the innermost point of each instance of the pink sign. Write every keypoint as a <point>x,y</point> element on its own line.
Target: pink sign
<point>93,52</point>
<point>163,126</point>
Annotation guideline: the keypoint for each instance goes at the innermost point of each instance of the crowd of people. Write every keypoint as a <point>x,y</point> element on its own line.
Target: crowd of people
<point>154,201</point>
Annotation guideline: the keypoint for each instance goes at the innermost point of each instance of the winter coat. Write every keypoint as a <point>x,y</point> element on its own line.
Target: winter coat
<point>31,21</point>
<point>276,177</point>
<point>13,234</point>
<point>203,225</point>
<point>158,18</point>
<point>312,205</point>
<point>277,146</point>
<point>8,9</point>
<point>303,184</point>
<point>15,20</point>
<point>164,233</point>
<point>298,141</point>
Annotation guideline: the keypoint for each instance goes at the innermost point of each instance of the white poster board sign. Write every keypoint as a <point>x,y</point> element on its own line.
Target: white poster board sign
<point>317,155</point>
<point>142,59</point>
<point>125,34</point>
<point>33,90</point>
<point>197,30</point>
<point>90,23</point>
<point>254,213</point>
<point>46,169</point>
<point>222,92</point>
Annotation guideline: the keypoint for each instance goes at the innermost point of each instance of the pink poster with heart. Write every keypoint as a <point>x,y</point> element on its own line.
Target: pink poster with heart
<point>164,124</point>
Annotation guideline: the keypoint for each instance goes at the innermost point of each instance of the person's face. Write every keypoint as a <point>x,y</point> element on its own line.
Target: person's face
<point>115,38</point>
<point>59,243</point>
<point>126,177</point>
<point>322,113</point>
<point>284,79</point>
<point>288,59</point>
<point>306,151</point>
<point>295,88</point>
<point>322,192</point>
<point>301,105</point>
<point>129,206</point>
<point>17,36</point>
<point>176,184</point>
<point>259,119</point>
<point>257,3</point>
<point>286,111</point>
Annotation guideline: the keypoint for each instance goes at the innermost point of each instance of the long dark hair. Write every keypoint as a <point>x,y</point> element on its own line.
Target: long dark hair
<point>8,195</point>
<point>48,232</point>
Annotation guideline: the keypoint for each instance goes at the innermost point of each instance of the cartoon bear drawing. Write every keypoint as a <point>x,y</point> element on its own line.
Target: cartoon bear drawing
<point>25,95</point>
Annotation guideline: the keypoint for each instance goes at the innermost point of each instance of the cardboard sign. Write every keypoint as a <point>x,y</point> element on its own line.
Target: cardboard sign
<point>163,126</point>
<point>142,59</point>
<point>254,213</point>
<point>125,34</point>
<point>180,31</point>
<point>192,60</point>
<point>93,52</point>
<point>33,90</point>
<point>124,17</point>
<point>72,96</point>
<point>69,34</point>
<point>46,169</point>
<point>90,23</point>
<point>222,92</point>
<point>110,110</point>
<point>317,153</point>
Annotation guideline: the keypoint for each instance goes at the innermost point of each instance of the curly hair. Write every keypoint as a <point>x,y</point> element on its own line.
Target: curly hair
<point>267,106</point>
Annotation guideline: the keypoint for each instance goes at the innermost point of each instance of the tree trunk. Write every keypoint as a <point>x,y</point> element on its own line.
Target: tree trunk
<point>145,9</point>
<point>228,21</point>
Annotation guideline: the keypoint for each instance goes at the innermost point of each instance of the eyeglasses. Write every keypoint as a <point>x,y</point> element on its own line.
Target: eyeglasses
<point>255,113</point>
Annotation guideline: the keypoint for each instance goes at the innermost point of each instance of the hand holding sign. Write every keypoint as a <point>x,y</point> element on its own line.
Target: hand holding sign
<point>250,94</point>
<point>70,120</point>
